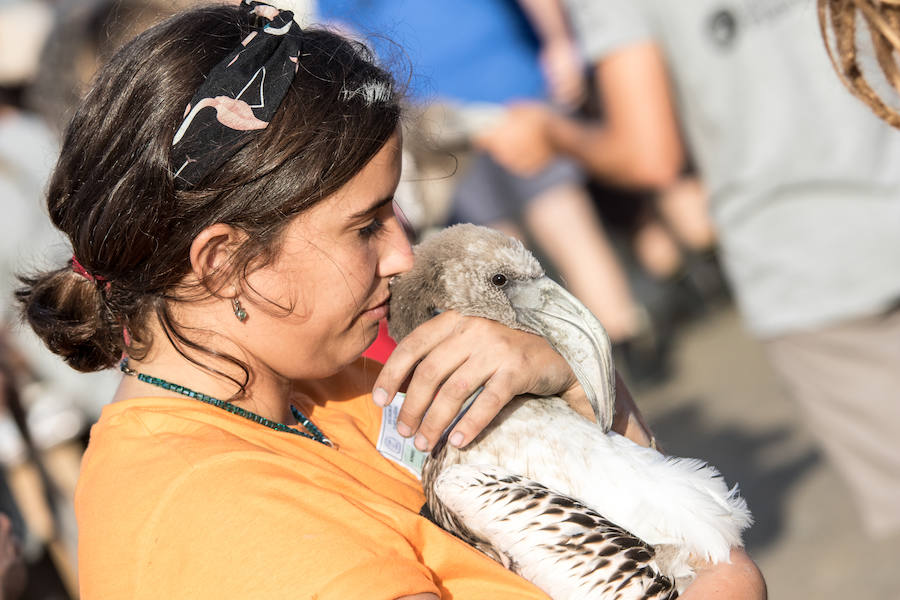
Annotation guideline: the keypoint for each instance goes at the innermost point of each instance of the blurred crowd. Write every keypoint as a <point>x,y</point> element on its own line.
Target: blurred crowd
<point>48,54</point>
<point>661,158</point>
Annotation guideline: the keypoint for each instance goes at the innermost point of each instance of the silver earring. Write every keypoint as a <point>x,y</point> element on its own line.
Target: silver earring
<point>239,311</point>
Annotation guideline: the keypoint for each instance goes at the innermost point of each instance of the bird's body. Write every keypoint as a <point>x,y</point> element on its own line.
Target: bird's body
<point>679,505</point>
<point>571,551</point>
<point>542,489</point>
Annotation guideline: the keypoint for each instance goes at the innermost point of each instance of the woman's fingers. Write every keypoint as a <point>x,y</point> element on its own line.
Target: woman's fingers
<point>438,361</point>
<point>447,359</point>
<point>452,368</point>
<point>408,353</point>
<point>432,360</point>
<point>628,419</point>
<point>451,399</point>
<point>433,394</point>
<point>489,402</point>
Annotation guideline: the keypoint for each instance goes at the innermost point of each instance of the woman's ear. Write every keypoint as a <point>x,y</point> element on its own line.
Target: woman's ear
<point>212,251</point>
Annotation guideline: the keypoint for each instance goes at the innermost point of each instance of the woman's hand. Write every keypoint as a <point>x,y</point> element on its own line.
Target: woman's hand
<point>520,140</point>
<point>740,579</point>
<point>448,357</point>
<point>564,71</point>
<point>628,420</point>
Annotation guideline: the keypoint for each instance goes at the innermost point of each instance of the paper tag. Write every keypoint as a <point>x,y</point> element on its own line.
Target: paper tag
<point>394,446</point>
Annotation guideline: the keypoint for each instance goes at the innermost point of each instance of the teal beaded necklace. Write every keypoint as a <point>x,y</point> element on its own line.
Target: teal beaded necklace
<point>312,432</point>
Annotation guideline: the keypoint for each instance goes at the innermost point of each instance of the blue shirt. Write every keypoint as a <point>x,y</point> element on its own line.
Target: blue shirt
<point>462,50</point>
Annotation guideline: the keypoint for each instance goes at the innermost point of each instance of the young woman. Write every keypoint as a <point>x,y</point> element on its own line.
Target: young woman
<point>226,186</point>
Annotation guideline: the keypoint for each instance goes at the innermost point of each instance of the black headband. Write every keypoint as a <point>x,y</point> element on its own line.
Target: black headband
<point>245,90</point>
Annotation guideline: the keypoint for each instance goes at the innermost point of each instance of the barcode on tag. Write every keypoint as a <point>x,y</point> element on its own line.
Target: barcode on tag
<point>394,446</point>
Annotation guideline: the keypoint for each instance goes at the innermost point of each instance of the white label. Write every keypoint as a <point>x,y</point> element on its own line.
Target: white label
<point>394,446</point>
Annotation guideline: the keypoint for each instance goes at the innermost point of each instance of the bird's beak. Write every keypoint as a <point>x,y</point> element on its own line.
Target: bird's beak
<point>550,311</point>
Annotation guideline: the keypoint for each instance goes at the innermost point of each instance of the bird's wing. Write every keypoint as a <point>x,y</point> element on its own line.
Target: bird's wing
<point>554,541</point>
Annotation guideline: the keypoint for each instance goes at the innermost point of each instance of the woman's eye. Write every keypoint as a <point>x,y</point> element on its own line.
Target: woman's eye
<point>372,228</point>
<point>498,279</point>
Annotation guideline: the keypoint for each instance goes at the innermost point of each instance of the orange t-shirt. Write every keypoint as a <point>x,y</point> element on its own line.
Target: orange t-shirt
<point>179,499</point>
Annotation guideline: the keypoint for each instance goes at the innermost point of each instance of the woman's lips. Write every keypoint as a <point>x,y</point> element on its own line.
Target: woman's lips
<point>377,312</point>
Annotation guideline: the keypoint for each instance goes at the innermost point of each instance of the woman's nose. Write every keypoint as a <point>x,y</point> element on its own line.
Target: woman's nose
<point>397,256</point>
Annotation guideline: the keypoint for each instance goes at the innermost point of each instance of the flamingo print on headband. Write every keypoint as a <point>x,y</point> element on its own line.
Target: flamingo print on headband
<point>244,90</point>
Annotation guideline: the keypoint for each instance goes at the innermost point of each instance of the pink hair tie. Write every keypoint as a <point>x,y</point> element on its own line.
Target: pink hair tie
<point>79,268</point>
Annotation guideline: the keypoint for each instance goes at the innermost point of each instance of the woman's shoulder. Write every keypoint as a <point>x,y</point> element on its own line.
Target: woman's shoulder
<point>161,481</point>
<point>174,425</point>
<point>145,450</point>
<point>140,447</point>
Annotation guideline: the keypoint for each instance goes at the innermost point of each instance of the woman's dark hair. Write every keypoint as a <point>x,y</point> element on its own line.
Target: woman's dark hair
<point>113,194</point>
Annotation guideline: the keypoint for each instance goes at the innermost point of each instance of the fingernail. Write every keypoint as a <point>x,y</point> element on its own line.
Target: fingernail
<point>380,397</point>
<point>421,443</point>
<point>456,439</point>
<point>404,429</point>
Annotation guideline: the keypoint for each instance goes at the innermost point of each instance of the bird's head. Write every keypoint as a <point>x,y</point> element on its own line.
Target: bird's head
<point>465,268</point>
<point>481,272</point>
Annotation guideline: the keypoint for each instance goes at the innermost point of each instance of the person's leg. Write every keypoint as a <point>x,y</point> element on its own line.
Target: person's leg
<point>656,250</point>
<point>563,223</point>
<point>846,378</point>
<point>677,245</point>
<point>684,207</point>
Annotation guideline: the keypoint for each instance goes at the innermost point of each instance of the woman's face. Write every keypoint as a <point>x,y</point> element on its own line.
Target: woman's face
<point>334,266</point>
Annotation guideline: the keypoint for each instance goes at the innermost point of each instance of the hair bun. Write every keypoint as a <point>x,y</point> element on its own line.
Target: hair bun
<point>68,312</point>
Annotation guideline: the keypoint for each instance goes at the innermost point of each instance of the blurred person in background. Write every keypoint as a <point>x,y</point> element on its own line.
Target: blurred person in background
<point>668,226</point>
<point>480,55</point>
<point>13,575</point>
<point>84,35</point>
<point>804,190</point>
<point>44,72</point>
<point>48,53</point>
<point>28,150</point>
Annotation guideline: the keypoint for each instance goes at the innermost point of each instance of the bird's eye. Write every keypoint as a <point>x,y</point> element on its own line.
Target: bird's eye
<point>498,279</point>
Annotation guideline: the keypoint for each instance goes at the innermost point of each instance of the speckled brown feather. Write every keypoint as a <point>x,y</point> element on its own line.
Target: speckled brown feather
<point>582,554</point>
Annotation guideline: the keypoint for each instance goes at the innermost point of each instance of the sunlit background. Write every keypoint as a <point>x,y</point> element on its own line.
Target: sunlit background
<point>638,248</point>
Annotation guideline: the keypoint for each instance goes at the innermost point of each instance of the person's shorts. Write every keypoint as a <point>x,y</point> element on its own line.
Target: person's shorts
<point>488,193</point>
<point>846,377</point>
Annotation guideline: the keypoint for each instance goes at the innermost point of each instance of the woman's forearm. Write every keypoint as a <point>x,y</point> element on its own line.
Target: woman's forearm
<point>740,579</point>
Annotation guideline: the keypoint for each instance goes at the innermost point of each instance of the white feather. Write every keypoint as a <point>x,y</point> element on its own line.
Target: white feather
<point>678,502</point>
